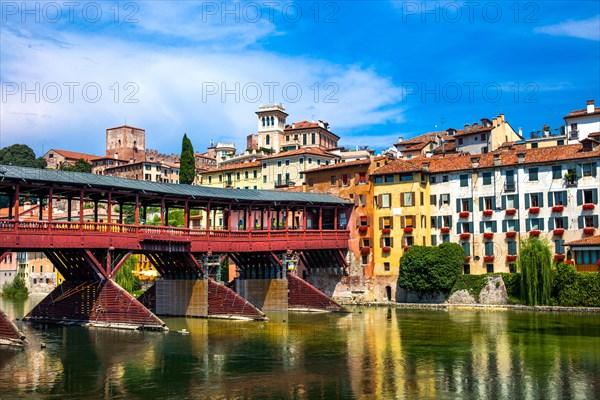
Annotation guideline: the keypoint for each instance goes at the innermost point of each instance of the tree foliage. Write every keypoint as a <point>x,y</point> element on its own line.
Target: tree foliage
<point>21,155</point>
<point>125,277</point>
<point>535,264</point>
<point>80,166</point>
<point>429,270</point>
<point>16,288</point>
<point>187,167</point>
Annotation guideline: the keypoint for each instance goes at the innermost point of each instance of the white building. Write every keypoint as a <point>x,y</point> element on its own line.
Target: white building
<point>581,124</point>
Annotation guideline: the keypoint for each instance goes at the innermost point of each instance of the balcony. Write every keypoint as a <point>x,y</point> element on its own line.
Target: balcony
<point>284,183</point>
<point>510,187</point>
<point>574,134</point>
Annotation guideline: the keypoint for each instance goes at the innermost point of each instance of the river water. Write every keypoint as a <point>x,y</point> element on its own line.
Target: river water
<point>372,353</point>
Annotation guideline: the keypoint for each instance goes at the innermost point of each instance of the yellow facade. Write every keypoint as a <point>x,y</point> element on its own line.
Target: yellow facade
<point>401,218</point>
<point>236,176</point>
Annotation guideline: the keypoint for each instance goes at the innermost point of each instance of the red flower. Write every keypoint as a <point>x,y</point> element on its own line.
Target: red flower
<point>363,228</point>
<point>445,229</point>
<point>365,250</point>
<point>570,262</point>
<point>511,234</point>
<point>487,213</point>
<point>468,259</point>
<point>588,206</point>
<point>534,210</point>
<point>558,209</point>
<point>589,231</point>
<point>488,235</point>
<point>386,231</point>
<point>463,214</point>
<point>534,233</point>
<point>559,257</point>
<point>488,258</point>
<point>406,248</point>
<point>511,257</point>
<point>598,262</point>
<point>408,230</point>
<point>386,249</point>
<point>511,211</point>
<point>465,236</point>
<point>558,232</point>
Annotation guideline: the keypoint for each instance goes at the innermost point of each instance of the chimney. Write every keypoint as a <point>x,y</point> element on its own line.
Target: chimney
<point>500,119</point>
<point>475,126</point>
<point>494,122</point>
<point>466,128</point>
<point>400,139</point>
<point>496,159</point>
<point>520,131</point>
<point>521,157</point>
<point>475,162</point>
<point>590,106</point>
<point>425,166</point>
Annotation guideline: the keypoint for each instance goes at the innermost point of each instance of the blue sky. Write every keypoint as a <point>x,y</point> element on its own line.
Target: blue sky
<point>375,70</point>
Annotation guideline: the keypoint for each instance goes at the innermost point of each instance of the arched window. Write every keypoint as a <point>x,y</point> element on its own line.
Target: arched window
<point>263,121</point>
<point>272,121</point>
<point>268,140</point>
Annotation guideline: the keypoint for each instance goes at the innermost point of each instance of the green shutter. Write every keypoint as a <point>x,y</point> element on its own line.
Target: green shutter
<point>595,196</point>
<point>458,228</point>
<point>580,222</point>
<point>504,226</point>
<point>494,226</point>
<point>579,197</point>
<point>527,200</point>
<point>470,205</point>
<point>528,224</point>
<point>594,169</point>
<point>481,201</point>
<point>550,199</point>
<point>481,227</point>
<point>504,202</point>
<point>541,199</point>
<point>541,224</point>
<point>551,224</point>
<point>458,206</point>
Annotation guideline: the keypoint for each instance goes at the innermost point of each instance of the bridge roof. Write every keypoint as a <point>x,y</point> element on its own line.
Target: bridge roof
<point>31,175</point>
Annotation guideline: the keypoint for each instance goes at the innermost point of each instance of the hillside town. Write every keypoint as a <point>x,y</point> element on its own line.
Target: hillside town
<point>483,186</point>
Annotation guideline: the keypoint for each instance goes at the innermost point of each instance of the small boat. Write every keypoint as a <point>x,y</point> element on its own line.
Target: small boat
<point>184,331</point>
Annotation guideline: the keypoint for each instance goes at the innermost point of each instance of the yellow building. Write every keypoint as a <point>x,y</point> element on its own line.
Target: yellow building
<point>238,176</point>
<point>401,216</point>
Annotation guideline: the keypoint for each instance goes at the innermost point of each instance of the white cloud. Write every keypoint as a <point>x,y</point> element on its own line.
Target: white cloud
<point>170,82</point>
<point>583,29</point>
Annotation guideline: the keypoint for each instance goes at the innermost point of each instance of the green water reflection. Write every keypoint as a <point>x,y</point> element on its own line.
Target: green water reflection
<point>372,353</point>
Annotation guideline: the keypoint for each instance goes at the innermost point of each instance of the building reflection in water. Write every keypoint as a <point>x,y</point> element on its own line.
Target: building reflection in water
<point>370,354</point>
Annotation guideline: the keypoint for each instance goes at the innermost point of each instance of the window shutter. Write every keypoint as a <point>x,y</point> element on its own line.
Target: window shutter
<point>579,197</point>
<point>356,200</point>
<point>564,198</point>
<point>381,242</point>
<point>595,221</point>
<point>414,199</point>
<point>541,224</point>
<point>402,222</point>
<point>458,227</point>
<point>527,201</point>
<point>527,224</point>
<point>356,178</point>
<point>594,169</point>
<point>368,220</point>
<point>565,222</point>
<point>391,242</point>
<point>550,199</point>
<point>551,224</point>
<point>494,226</point>
<point>450,221</point>
<point>457,205</point>
<point>504,226</point>
<point>380,223</point>
<point>595,196</point>
<point>494,202</point>
<point>401,199</point>
<point>580,222</point>
<point>439,221</point>
<point>471,227</point>
<point>357,221</point>
<point>481,227</point>
<point>516,201</point>
<point>504,202</point>
<point>470,205</point>
<point>392,222</point>
<point>541,199</point>
<point>481,201</point>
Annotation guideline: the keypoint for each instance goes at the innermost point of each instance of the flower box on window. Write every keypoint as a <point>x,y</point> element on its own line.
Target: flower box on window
<point>559,257</point>
<point>534,233</point>
<point>511,234</point>
<point>511,257</point>
<point>511,211</point>
<point>363,229</point>
<point>468,259</point>
<point>589,231</point>
<point>488,259</point>
<point>488,213</point>
<point>558,232</point>
<point>386,231</point>
<point>386,249</point>
<point>588,206</point>
<point>488,235</point>
<point>463,214</point>
<point>445,229</point>
<point>365,250</point>
<point>558,209</point>
<point>534,210</point>
<point>465,236</point>
<point>408,230</point>
<point>406,248</point>
<point>570,262</point>
<point>598,263</point>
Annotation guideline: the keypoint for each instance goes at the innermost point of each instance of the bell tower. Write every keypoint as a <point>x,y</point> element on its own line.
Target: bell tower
<point>271,123</point>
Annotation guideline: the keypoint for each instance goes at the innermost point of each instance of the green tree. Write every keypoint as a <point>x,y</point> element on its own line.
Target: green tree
<point>16,288</point>
<point>535,264</point>
<point>21,155</point>
<point>80,166</point>
<point>429,270</point>
<point>125,277</point>
<point>187,167</point>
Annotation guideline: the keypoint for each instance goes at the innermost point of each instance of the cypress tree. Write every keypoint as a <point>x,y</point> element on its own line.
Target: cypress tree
<point>535,263</point>
<point>187,167</point>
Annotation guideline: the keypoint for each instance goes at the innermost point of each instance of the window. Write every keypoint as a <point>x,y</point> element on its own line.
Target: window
<point>466,227</point>
<point>432,179</point>
<point>313,138</point>
<point>535,224</point>
<point>246,174</point>
<point>279,163</point>
<point>362,178</point>
<point>560,142</point>
<point>309,160</point>
<point>237,176</point>
<point>386,222</point>
<point>264,165</point>
<point>345,180</point>
<point>304,138</point>
<point>406,178</point>
<point>362,200</point>
<point>464,204</point>
<point>287,162</point>
<point>589,169</point>
<point>363,220</point>
<point>588,196</point>
<point>460,141</point>
<point>209,179</point>
<point>364,259</point>
<point>534,199</point>
<point>559,198</point>
<point>446,221</point>
<point>445,198</point>
<point>267,140</point>
<point>333,180</point>
<point>444,178</point>
<point>264,179</point>
<point>467,248</point>
<point>409,240</point>
<point>433,240</point>
<point>557,172</point>
<point>511,226</point>
<point>432,200</point>
<point>466,269</point>
<point>510,201</point>
<point>301,160</point>
<point>534,145</point>
<point>488,226</point>
<point>488,203</point>
<point>366,242</point>
<point>533,174</point>
<point>318,161</point>
<point>386,266</point>
<point>464,180</point>
<point>311,182</point>
<point>559,246</point>
<point>487,178</point>
<point>385,200</point>
<point>379,179</point>
<point>489,248</point>
<point>220,178</point>
<point>512,247</point>
<point>386,241</point>
<point>254,174</point>
<point>389,178</point>
<point>483,137</point>
<point>589,221</point>
<point>489,268</point>
<point>434,224</point>
<point>287,138</point>
<point>407,199</point>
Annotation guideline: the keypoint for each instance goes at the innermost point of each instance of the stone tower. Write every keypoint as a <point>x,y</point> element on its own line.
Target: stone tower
<point>271,123</point>
<point>126,143</point>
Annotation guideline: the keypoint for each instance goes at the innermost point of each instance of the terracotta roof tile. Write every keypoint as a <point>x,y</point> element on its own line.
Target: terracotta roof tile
<point>398,166</point>
<point>582,113</point>
<point>587,241</point>
<point>342,164</point>
<point>304,150</point>
<point>235,166</point>
<point>480,128</point>
<point>75,156</point>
